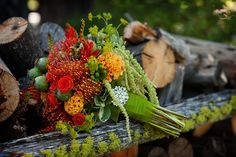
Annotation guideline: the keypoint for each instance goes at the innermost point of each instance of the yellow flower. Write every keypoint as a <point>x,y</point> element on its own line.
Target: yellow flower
<point>90,16</point>
<point>74,105</point>
<point>114,65</point>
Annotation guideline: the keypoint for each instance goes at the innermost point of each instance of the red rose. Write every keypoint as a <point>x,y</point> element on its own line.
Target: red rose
<point>51,99</point>
<point>65,84</point>
<point>78,119</point>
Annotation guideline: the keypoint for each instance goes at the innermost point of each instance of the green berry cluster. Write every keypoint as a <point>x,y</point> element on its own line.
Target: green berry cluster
<point>96,70</point>
<point>37,74</point>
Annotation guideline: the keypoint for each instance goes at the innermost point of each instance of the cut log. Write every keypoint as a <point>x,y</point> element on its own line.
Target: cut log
<point>159,62</point>
<point>9,92</point>
<point>57,33</point>
<point>158,152</point>
<point>233,124</point>
<point>228,66</point>
<point>205,78</point>
<point>128,152</point>
<point>180,148</point>
<point>223,53</point>
<point>202,129</point>
<point>137,32</point>
<point>172,93</point>
<point>18,46</point>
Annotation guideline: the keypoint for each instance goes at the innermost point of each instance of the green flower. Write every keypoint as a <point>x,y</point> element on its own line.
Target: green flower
<point>107,16</point>
<point>90,16</point>
<point>123,21</point>
<point>107,47</point>
<point>109,29</point>
<point>93,30</point>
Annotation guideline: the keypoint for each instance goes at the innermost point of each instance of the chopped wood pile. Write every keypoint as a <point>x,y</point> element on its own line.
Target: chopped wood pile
<point>179,67</point>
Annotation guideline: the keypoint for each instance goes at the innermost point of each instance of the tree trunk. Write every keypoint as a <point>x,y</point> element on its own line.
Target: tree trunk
<point>9,92</point>
<point>18,46</point>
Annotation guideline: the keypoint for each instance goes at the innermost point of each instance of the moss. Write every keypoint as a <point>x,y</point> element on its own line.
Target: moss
<point>27,155</point>
<point>60,126</point>
<point>115,142</point>
<point>200,119</point>
<point>74,148</point>
<point>210,113</point>
<point>87,147</point>
<point>233,102</point>
<point>102,147</point>
<point>61,151</point>
<point>73,133</point>
<point>137,136</point>
<point>226,109</point>
<point>47,153</point>
<point>189,125</point>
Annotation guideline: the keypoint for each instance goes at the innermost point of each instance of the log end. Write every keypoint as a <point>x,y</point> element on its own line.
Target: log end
<point>9,95</point>
<point>12,29</point>
<point>159,62</point>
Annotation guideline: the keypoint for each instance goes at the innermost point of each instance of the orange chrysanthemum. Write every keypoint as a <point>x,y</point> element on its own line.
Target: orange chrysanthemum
<point>114,65</point>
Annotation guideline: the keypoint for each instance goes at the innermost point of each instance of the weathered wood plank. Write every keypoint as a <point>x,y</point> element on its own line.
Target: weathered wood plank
<point>51,140</point>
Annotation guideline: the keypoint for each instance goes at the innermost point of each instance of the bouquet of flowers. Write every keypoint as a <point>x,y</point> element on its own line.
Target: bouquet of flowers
<point>93,78</point>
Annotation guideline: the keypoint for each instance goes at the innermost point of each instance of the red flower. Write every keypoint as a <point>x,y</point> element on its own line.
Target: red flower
<point>70,32</point>
<point>51,99</point>
<point>65,84</point>
<point>78,119</point>
<point>53,86</point>
<point>49,77</point>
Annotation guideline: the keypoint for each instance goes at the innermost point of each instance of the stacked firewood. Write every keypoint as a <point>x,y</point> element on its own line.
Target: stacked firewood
<point>178,67</point>
<point>19,48</point>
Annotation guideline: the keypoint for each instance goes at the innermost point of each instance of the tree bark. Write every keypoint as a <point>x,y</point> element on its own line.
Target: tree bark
<point>18,46</point>
<point>9,92</point>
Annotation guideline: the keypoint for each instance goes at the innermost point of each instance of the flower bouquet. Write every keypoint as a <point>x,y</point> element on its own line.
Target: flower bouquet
<point>87,79</point>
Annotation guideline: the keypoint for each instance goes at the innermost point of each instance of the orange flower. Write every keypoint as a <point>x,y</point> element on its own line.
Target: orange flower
<point>114,65</point>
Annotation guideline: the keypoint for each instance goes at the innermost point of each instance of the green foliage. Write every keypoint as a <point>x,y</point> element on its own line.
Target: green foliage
<point>62,127</point>
<point>28,155</point>
<point>137,136</point>
<point>102,147</point>
<point>61,151</point>
<point>115,142</point>
<point>47,153</point>
<point>87,147</point>
<point>194,18</point>
<point>97,72</point>
<point>88,124</point>
<point>74,148</point>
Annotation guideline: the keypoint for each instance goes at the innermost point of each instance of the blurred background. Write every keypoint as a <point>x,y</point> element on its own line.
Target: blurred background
<point>208,19</point>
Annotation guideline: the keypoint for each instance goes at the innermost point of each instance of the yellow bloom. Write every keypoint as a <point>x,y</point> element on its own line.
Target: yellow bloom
<point>74,105</point>
<point>114,65</point>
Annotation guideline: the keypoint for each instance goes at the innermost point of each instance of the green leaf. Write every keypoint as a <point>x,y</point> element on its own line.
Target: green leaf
<point>139,108</point>
<point>98,102</point>
<point>104,113</point>
<point>115,112</point>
